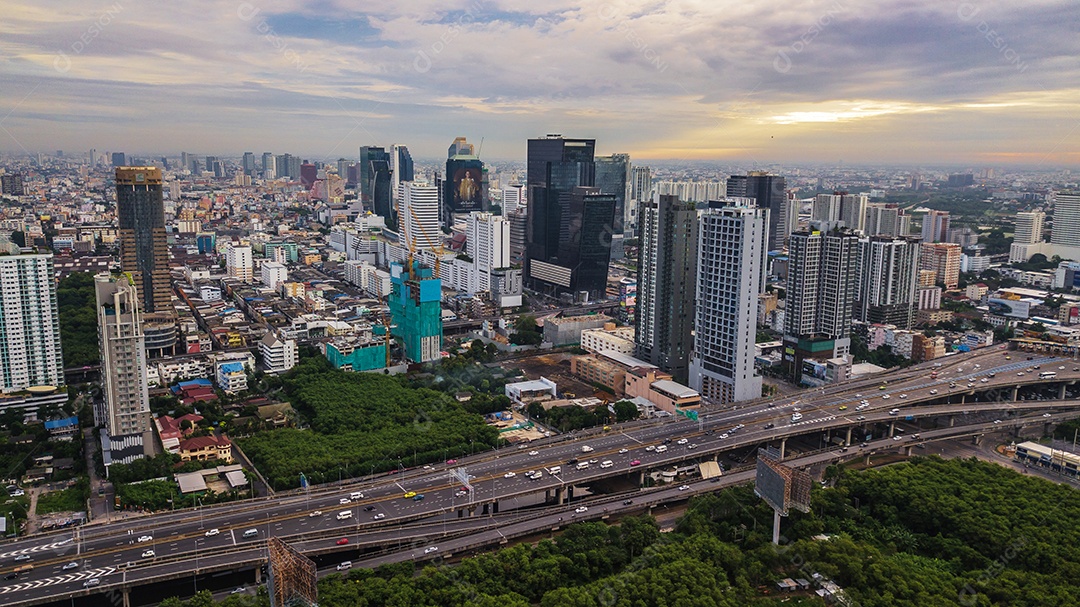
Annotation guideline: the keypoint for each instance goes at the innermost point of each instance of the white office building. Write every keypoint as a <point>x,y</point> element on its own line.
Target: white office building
<point>239,263</point>
<point>1029,227</point>
<point>29,325</point>
<point>124,412</point>
<point>278,353</point>
<point>1066,220</point>
<point>513,198</point>
<point>487,241</point>
<point>419,215</point>
<point>731,260</point>
<point>274,273</point>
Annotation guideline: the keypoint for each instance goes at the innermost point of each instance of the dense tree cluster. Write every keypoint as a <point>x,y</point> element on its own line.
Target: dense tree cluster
<point>78,319</point>
<point>362,423</point>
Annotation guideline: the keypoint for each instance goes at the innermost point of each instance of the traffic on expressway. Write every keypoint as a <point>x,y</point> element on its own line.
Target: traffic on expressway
<point>514,478</point>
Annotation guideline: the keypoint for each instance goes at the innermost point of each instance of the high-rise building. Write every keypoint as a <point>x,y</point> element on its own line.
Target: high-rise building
<point>732,241</point>
<point>248,163</point>
<point>273,273</point>
<point>693,191</point>
<point>641,186</point>
<point>820,294</point>
<point>144,250</point>
<point>308,174</point>
<point>512,198</point>
<point>886,220</point>
<point>401,168</point>
<point>849,209</point>
<point>269,169</point>
<point>239,263</point>
<point>464,187</point>
<point>768,192</point>
<point>119,159</point>
<point>210,160</point>
<point>568,244</point>
<point>416,308</point>
<point>667,283</point>
<point>888,270</point>
<point>376,179</point>
<point>1066,231</point>
<point>487,240</point>
<point>281,166</point>
<point>519,221</point>
<point>1029,227</point>
<point>935,227</point>
<point>124,412</point>
<point>613,176</point>
<point>418,204</point>
<point>12,185</point>
<point>29,326</point>
<point>944,259</point>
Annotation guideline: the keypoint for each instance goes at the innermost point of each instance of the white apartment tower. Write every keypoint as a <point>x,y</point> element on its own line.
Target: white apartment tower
<point>419,215</point>
<point>239,263</point>
<point>513,197</point>
<point>732,241</point>
<point>1066,220</point>
<point>125,410</point>
<point>487,241</point>
<point>29,325</point>
<point>1029,227</point>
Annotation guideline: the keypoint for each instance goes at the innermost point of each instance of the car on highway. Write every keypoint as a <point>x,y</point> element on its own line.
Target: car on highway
<point>997,421</point>
<point>581,509</point>
<point>91,582</point>
<point>344,565</point>
<point>860,418</point>
<point>451,462</point>
<point>667,441</point>
<point>725,435</point>
<point>593,461</point>
<point>684,488</point>
<point>70,566</point>
<point>343,541</point>
<point>534,453</point>
<point>22,557</point>
<point>431,549</point>
<point>409,494</point>
<point>461,493</point>
<point>145,538</point>
<point>148,554</point>
<point>211,533</point>
<point>894,411</point>
<point>369,508</point>
<point>903,396</point>
<point>1019,373</point>
<point>1046,415</point>
<point>770,425</point>
<point>843,407</point>
<point>623,451</point>
<point>378,517</point>
<point>344,501</point>
<point>636,462</point>
<point>651,448</point>
<point>11,576</point>
<point>692,446</point>
<point>984,380</point>
<point>315,513</point>
<point>356,495</point>
<point>884,397</point>
<point>238,590</point>
<point>897,437</point>
<point>627,502</point>
<point>683,441</point>
<point>586,449</point>
<point>933,392</point>
<point>510,474</point>
<point>418,497</point>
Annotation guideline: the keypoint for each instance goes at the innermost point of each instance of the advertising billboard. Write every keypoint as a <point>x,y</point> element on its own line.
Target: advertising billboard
<point>1013,308</point>
<point>464,189</point>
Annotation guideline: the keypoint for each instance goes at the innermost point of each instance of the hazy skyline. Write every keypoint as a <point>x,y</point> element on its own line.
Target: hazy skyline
<point>906,81</point>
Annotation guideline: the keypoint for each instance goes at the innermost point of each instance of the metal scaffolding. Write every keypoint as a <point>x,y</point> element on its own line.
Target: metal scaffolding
<point>292,576</point>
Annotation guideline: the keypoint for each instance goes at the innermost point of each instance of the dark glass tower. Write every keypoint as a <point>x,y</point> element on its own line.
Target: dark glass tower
<point>144,250</point>
<point>375,183</point>
<point>768,191</point>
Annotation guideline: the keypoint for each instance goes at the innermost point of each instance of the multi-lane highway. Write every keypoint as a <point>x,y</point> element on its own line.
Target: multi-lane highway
<point>387,510</point>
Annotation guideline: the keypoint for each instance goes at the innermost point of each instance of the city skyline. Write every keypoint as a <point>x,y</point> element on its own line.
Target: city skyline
<point>937,84</point>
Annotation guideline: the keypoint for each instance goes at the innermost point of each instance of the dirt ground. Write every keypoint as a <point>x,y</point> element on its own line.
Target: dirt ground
<point>556,367</point>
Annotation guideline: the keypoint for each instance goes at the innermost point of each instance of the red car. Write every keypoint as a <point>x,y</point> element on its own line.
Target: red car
<point>636,462</point>
<point>451,461</point>
<point>343,541</point>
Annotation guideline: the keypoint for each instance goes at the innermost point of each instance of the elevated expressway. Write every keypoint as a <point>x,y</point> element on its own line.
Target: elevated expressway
<point>113,554</point>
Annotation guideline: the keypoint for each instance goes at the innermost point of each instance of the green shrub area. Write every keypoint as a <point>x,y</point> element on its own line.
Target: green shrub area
<point>72,499</point>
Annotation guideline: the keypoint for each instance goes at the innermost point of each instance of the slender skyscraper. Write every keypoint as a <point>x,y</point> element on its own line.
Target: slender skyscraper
<point>249,163</point>
<point>613,177</point>
<point>144,249</point>
<point>419,212</point>
<point>376,181</point>
<point>888,273</point>
<point>1066,220</point>
<point>124,412</point>
<point>730,276</point>
<point>667,273</point>
<point>768,191</point>
<point>935,227</point>
<point>29,326</point>
<point>1029,227</point>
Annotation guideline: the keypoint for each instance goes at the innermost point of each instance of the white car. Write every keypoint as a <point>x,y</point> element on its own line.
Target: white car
<point>651,448</point>
<point>682,441</point>
<point>586,449</point>
<point>148,554</point>
<point>314,514</point>
<point>684,488</point>
<point>71,565</point>
<point>212,533</point>
<point>997,421</point>
<point>897,437</point>
<point>509,475</point>
<point>461,494</point>
<point>1046,415</point>
<point>623,451</point>
<point>344,501</point>
<point>903,396</point>
<point>378,517</point>
<point>933,392</point>
<point>724,435</point>
<point>534,453</point>
<point>145,538</point>
<point>885,397</point>
<point>431,549</point>
<point>581,509</point>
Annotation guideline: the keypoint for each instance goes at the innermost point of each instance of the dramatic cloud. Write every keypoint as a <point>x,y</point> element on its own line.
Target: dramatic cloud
<point>777,81</point>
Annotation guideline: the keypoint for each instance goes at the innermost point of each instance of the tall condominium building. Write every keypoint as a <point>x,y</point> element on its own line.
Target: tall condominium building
<point>886,220</point>
<point>641,190</point>
<point>768,191</point>
<point>1066,220</point>
<point>248,163</point>
<point>821,292</point>
<point>848,209</point>
<point>401,168</point>
<point>119,159</point>
<point>693,191</point>
<point>415,306</point>
<point>487,240</point>
<point>568,236</point>
<point>519,221</point>
<point>124,413</point>
<point>1029,227</point>
<point>418,208</point>
<point>29,327</point>
<point>732,241</point>
<point>144,250</point>
<point>239,263</point>
<point>613,176</point>
<point>376,181</point>
<point>268,168</point>
<point>513,197</point>
<point>13,185</point>
<point>944,259</point>
<point>667,280</point>
<point>935,226</point>
<point>888,270</point>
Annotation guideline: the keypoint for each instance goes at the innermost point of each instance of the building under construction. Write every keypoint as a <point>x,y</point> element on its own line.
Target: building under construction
<point>292,576</point>
<point>415,305</point>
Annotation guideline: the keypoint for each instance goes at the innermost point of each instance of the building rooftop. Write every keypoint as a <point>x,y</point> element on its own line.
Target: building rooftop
<point>674,389</point>
<point>626,360</point>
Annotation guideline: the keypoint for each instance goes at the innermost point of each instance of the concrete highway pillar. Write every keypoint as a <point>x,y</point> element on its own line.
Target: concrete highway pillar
<point>485,510</point>
<point>1061,392</point>
<point>258,575</point>
<point>963,398</point>
<point>641,479</point>
<point>783,447</point>
<point>472,511</point>
<point>847,440</point>
<point>495,507</point>
<point>866,460</point>
<point>977,439</point>
<point>569,493</point>
<point>952,421</point>
<point>558,495</point>
<point>892,429</point>
<point>127,597</point>
<point>547,496</point>
<point>1016,392</point>
<point>907,451</point>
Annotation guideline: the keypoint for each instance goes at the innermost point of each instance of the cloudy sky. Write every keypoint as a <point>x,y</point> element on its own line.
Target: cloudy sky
<point>890,81</point>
